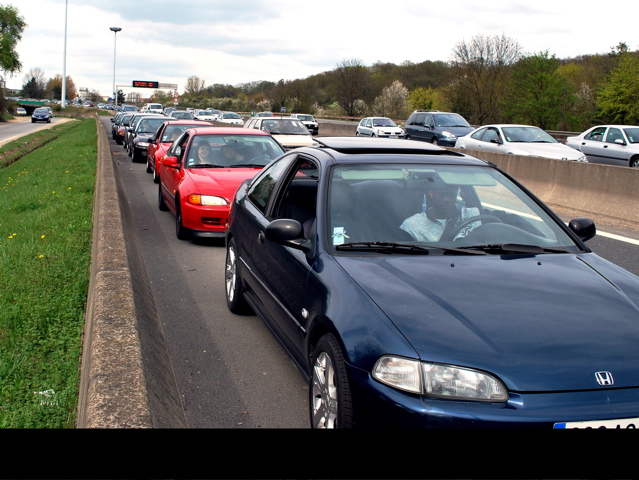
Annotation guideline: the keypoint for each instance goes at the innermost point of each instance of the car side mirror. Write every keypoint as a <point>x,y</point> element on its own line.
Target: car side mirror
<point>171,162</point>
<point>584,228</point>
<point>620,141</point>
<point>495,140</point>
<point>287,232</point>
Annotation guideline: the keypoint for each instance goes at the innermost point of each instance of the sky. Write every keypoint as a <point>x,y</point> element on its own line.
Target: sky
<point>241,41</point>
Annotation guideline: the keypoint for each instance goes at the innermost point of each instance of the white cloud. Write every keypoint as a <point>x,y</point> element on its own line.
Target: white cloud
<point>251,40</point>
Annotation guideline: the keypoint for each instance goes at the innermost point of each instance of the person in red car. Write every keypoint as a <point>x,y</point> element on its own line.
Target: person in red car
<point>231,154</point>
<point>202,154</point>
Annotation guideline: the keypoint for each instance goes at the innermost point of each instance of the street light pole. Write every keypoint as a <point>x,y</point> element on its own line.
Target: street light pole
<point>63,96</point>
<point>115,31</point>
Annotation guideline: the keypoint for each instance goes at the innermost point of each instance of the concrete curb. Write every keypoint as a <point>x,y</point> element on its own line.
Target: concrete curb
<point>126,377</point>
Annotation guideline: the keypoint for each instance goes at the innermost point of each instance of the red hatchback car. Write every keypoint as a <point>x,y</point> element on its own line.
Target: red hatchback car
<point>201,171</point>
<point>162,140</point>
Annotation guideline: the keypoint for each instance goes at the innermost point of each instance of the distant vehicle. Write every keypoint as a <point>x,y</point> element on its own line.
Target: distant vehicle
<point>153,108</point>
<point>378,127</point>
<point>518,140</point>
<point>42,114</point>
<point>215,112</point>
<point>265,114</point>
<point>168,110</point>
<point>205,115</point>
<point>609,144</point>
<point>144,129</point>
<point>129,108</point>
<point>289,132</point>
<point>133,122</point>
<point>201,172</point>
<point>181,115</point>
<point>438,128</point>
<point>230,117</point>
<point>21,112</point>
<point>308,121</point>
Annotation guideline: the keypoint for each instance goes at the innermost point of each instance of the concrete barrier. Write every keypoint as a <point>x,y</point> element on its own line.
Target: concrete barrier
<point>126,378</point>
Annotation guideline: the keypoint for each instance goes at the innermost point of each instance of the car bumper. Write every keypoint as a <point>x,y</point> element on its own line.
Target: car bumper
<point>205,222</point>
<point>377,405</point>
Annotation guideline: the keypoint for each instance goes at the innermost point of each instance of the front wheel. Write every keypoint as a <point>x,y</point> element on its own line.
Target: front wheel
<point>634,162</point>
<point>329,393</point>
<point>180,232</point>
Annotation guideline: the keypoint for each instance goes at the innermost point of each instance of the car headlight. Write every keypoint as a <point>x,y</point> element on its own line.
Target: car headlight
<point>206,200</point>
<point>142,144</point>
<point>438,380</point>
<point>448,135</point>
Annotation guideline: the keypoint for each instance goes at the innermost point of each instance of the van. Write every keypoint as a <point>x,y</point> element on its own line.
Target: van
<point>153,108</point>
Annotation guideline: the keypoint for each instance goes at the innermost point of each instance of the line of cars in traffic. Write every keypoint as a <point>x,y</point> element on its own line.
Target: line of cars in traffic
<point>412,285</point>
<point>609,144</point>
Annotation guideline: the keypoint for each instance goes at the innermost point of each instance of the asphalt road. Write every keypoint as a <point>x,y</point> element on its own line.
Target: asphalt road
<point>230,370</point>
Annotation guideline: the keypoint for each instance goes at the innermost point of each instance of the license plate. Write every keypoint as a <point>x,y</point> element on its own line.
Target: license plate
<point>603,424</point>
<point>393,136</point>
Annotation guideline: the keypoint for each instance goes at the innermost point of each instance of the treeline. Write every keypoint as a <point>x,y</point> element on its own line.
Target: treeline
<point>488,80</point>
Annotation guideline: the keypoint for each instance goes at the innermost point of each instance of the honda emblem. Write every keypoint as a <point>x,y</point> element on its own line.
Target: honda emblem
<point>604,378</point>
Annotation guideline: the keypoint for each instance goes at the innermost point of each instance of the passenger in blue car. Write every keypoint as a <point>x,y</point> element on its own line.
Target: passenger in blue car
<point>440,216</point>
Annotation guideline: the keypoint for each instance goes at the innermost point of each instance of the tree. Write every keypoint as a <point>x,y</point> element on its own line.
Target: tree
<point>423,99</point>
<point>11,27</point>
<point>392,102</point>
<point>480,71</point>
<point>54,88</point>
<point>194,86</point>
<point>35,85</point>
<point>618,98</point>
<point>351,84</point>
<point>538,93</point>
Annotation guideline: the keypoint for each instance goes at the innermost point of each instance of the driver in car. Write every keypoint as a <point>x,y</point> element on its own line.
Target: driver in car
<point>441,217</point>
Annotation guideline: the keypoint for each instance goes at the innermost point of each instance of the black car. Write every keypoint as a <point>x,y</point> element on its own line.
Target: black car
<point>420,287</point>
<point>143,131</point>
<point>439,128</point>
<point>41,115</point>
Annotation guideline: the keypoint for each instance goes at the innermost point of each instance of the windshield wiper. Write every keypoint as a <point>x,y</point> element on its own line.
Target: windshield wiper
<point>403,248</point>
<point>205,165</point>
<point>514,248</point>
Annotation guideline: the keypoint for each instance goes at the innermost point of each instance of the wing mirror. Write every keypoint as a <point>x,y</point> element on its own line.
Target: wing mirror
<point>171,162</point>
<point>584,228</point>
<point>287,232</point>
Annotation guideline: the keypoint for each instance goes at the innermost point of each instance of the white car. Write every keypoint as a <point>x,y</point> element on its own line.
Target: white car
<point>518,140</point>
<point>308,121</point>
<point>204,115</point>
<point>289,132</point>
<point>609,144</point>
<point>379,127</point>
<point>230,117</point>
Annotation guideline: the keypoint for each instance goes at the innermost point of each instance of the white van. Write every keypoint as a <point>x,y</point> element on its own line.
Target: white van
<point>153,108</point>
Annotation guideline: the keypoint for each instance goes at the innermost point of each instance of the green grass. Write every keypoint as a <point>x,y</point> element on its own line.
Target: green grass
<point>46,205</point>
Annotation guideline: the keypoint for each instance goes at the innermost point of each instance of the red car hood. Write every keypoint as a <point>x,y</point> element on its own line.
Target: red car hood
<point>222,182</point>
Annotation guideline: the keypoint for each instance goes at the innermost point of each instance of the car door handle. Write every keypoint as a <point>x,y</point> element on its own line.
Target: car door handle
<point>260,237</point>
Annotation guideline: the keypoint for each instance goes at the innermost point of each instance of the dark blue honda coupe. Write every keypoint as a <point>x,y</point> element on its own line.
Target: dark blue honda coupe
<point>419,287</point>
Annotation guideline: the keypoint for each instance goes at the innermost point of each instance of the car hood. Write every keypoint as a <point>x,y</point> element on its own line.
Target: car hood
<point>540,323</point>
<point>220,181</point>
<point>301,140</point>
<point>557,151</point>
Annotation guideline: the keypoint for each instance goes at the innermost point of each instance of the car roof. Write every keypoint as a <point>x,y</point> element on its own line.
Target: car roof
<point>227,131</point>
<point>378,146</point>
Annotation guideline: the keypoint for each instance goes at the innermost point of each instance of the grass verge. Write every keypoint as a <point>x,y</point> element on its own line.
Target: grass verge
<point>46,207</point>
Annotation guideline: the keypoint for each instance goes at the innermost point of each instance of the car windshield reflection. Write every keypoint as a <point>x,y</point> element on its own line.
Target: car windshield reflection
<point>450,208</point>
<point>241,151</point>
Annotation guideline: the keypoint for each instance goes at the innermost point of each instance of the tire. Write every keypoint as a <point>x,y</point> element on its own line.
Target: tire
<point>435,141</point>
<point>233,283</point>
<point>634,162</point>
<point>330,402</point>
<point>148,166</point>
<point>180,232</point>
<point>161,203</point>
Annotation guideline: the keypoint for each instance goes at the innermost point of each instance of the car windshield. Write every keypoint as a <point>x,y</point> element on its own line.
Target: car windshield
<point>632,134</point>
<point>450,120</point>
<point>186,115</point>
<point>285,126</point>
<point>41,110</point>
<point>438,209</point>
<point>305,118</point>
<point>383,122</point>
<point>230,115</point>
<point>233,150</point>
<point>527,135</point>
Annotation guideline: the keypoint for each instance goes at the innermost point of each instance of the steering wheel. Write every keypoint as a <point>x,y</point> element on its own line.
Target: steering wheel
<point>486,218</point>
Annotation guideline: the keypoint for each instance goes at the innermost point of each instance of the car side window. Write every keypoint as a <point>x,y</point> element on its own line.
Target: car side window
<point>262,187</point>
<point>614,134</point>
<point>597,134</point>
<point>298,200</point>
<point>177,149</point>
<point>478,134</point>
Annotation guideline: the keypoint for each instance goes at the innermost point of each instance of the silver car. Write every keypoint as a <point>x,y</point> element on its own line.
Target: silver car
<point>517,140</point>
<point>609,144</point>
